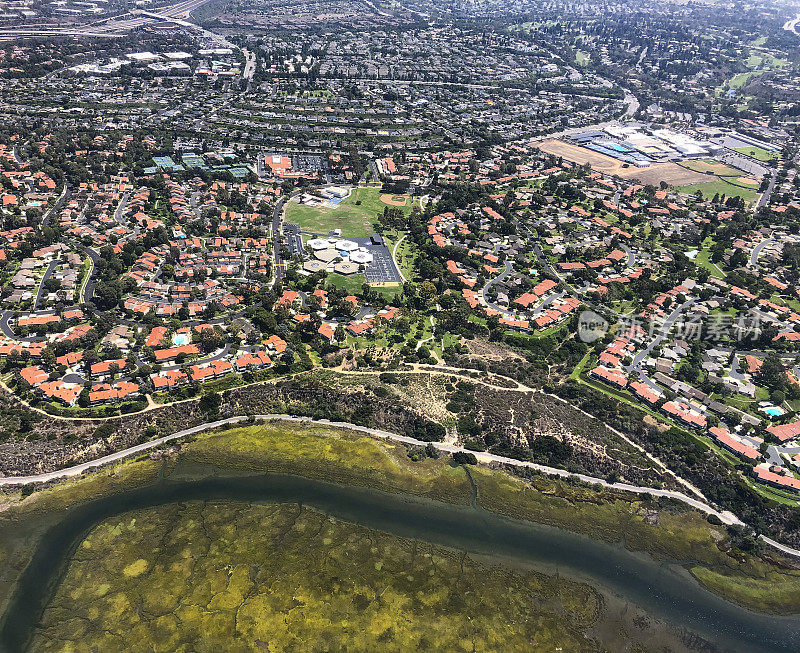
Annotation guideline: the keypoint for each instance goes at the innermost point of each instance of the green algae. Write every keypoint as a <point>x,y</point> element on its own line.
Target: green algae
<point>243,577</point>
<point>329,454</point>
<point>351,458</point>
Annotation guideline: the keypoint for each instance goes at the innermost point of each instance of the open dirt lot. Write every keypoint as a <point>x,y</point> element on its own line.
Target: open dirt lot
<point>671,173</point>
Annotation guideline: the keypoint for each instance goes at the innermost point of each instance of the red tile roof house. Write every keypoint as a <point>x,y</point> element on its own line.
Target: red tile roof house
<point>156,336</point>
<point>105,392</point>
<point>360,327</point>
<point>173,352</point>
<point>785,432</point>
<point>286,300</point>
<point>276,344</point>
<point>644,392</point>
<point>257,359</point>
<point>764,473</point>
<point>34,375</point>
<point>614,377</point>
<point>210,370</point>
<point>168,379</point>
<point>724,437</point>
<point>103,367</point>
<point>61,391</point>
<point>327,331</point>
<point>684,413</point>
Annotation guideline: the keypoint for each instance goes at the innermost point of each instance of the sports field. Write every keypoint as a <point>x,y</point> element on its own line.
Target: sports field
<point>356,215</point>
<point>711,167</point>
<point>723,187</point>
<point>671,173</point>
<point>757,152</point>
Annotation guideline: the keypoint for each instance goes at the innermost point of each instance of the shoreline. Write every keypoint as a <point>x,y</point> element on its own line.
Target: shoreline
<point>607,566</point>
<point>725,517</point>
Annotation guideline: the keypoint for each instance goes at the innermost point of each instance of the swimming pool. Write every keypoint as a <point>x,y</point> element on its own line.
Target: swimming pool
<point>774,411</point>
<point>181,339</point>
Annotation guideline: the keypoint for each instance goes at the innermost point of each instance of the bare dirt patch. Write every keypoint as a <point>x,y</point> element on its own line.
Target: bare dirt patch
<point>671,173</point>
<point>486,349</point>
<point>394,200</point>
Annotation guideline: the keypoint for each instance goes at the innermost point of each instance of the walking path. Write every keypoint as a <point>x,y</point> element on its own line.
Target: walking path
<point>483,457</point>
<point>394,257</point>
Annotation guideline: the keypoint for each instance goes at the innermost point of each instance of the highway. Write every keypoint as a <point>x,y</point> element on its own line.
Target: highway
<point>116,26</point>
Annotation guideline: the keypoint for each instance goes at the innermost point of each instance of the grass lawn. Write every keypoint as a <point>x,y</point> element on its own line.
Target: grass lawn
<point>581,58</point>
<point>711,188</point>
<point>765,61</point>
<point>714,167</point>
<point>406,255</point>
<point>703,260</point>
<point>389,291</point>
<point>757,152</point>
<point>356,215</point>
<point>350,282</point>
<point>740,79</point>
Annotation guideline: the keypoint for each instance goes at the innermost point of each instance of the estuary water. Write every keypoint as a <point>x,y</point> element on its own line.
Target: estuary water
<point>667,592</point>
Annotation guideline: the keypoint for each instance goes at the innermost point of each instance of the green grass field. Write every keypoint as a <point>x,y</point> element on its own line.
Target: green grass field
<point>351,282</point>
<point>765,60</point>
<point>740,79</point>
<point>711,188</point>
<point>714,167</point>
<point>356,215</point>
<point>757,152</point>
<point>703,260</point>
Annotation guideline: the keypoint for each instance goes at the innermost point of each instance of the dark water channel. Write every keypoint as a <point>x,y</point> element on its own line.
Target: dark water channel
<point>666,592</point>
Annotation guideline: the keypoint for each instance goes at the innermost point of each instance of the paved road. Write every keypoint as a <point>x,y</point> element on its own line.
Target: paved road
<point>767,194</point>
<point>47,274</point>
<point>757,250</point>
<point>8,332</point>
<point>123,203</point>
<point>219,354</point>
<point>277,237</point>
<point>88,291</point>
<point>277,240</point>
<point>629,252</point>
<point>500,277</point>
<point>665,329</point>
<point>394,257</point>
<point>65,193</point>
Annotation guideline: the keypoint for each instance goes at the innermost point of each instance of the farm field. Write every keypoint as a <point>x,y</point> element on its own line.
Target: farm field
<point>356,215</point>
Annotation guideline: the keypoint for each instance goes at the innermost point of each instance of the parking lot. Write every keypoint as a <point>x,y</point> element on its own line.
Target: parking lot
<point>382,269</point>
<point>294,242</point>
